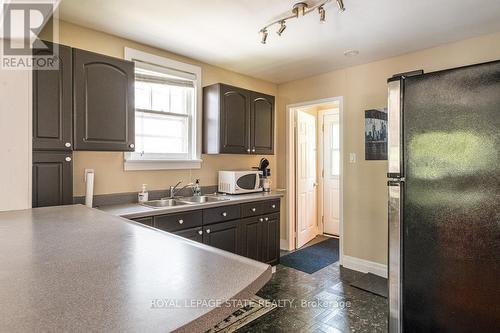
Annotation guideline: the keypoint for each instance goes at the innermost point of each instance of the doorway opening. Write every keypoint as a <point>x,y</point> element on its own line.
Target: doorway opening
<point>314,172</point>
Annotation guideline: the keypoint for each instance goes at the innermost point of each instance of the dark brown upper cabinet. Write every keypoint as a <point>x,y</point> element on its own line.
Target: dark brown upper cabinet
<point>103,102</point>
<point>237,121</point>
<point>52,101</point>
<point>52,179</point>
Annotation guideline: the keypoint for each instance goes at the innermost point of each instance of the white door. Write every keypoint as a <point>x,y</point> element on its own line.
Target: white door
<point>331,180</point>
<point>307,226</point>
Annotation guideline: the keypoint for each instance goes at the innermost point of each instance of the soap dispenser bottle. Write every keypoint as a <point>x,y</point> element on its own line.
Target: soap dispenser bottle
<point>197,188</point>
<point>143,196</point>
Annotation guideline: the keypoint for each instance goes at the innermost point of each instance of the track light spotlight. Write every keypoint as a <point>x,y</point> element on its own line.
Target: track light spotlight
<point>282,28</point>
<point>322,14</point>
<point>340,4</point>
<point>263,34</point>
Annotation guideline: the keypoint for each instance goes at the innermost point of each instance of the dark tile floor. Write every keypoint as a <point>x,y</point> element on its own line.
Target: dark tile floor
<point>319,302</point>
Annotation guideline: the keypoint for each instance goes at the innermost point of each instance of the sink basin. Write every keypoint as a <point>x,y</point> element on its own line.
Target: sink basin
<point>202,199</point>
<point>163,203</point>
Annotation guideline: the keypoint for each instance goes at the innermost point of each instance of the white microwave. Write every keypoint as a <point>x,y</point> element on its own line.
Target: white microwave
<point>237,182</point>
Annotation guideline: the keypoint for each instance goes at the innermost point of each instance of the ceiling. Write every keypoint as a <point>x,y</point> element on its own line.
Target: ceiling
<point>225,32</point>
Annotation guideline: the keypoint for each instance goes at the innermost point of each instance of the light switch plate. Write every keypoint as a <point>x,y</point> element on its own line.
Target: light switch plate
<point>352,157</point>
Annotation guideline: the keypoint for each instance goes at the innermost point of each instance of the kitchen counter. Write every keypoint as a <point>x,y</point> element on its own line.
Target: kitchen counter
<point>72,268</point>
<point>135,210</point>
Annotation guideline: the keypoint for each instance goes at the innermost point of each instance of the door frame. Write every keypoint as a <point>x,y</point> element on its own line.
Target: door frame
<point>290,171</point>
<point>321,163</point>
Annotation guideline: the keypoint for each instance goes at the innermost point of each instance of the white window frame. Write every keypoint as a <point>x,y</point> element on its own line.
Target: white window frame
<point>135,161</point>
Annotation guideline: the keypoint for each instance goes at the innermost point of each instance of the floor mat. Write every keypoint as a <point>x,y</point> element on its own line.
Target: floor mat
<point>256,307</point>
<point>372,283</point>
<point>313,258</point>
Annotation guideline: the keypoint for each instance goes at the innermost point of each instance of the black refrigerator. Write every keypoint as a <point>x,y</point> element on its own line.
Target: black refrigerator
<point>444,200</point>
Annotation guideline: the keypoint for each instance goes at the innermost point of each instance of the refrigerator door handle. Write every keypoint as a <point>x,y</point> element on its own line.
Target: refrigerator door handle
<point>395,255</point>
<point>394,124</point>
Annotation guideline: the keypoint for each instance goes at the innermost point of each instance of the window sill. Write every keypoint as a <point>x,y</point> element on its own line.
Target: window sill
<point>137,165</point>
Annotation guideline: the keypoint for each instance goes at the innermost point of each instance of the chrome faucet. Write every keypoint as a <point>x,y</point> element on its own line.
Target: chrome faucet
<point>174,190</point>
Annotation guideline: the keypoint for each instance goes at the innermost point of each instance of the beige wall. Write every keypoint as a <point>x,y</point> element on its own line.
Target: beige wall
<point>108,166</point>
<point>364,87</point>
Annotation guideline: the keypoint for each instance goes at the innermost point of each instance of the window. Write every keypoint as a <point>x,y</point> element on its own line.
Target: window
<point>167,114</point>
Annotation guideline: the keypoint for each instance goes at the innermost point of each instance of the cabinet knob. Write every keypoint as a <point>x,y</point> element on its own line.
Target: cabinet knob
<point>248,150</point>
<point>200,232</point>
<point>267,219</point>
<point>261,219</point>
<point>131,145</point>
<point>208,231</point>
<point>181,221</point>
<point>67,159</point>
<point>224,214</point>
<point>253,150</point>
<point>67,144</point>
<point>273,206</point>
<point>253,209</point>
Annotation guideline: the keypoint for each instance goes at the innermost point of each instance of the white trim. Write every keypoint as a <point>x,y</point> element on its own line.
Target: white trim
<point>135,165</point>
<point>290,171</point>
<point>195,162</point>
<point>284,244</point>
<point>365,266</point>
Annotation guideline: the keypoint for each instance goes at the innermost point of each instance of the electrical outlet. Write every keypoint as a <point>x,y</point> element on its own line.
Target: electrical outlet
<point>352,157</point>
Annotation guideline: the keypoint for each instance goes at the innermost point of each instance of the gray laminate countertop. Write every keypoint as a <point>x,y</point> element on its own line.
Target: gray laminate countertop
<point>135,210</point>
<point>76,269</point>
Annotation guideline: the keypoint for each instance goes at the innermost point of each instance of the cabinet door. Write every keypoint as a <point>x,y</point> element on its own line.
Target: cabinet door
<point>103,102</point>
<point>145,220</point>
<point>262,124</point>
<point>52,179</point>
<point>271,239</point>
<point>234,120</point>
<point>223,236</point>
<point>52,101</point>
<point>195,234</point>
<point>250,238</point>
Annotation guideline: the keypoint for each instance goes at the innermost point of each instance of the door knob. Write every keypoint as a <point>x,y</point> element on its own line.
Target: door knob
<point>248,150</point>
<point>261,219</point>
<point>67,144</point>
<point>67,159</point>
<point>253,150</point>
<point>253,209</point>
<point>267,219</point>
<point>208,231</point>
<point>200,232</point>
<point>131,145</point>
<point>273,206</point>
<point>224,214</point>
<point>181,221</point>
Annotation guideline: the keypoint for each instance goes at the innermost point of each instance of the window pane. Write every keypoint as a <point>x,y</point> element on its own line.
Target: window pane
<point>161,133</point>
<point>335,163</point>
<point>160,97</point>
<point>142,95</point>
<point>335,136</point>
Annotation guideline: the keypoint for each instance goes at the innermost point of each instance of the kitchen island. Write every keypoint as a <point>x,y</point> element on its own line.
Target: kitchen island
<point>72,268</point>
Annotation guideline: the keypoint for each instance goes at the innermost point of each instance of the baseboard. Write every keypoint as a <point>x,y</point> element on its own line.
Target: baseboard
<point>364,266</point>
<point>284,245</point>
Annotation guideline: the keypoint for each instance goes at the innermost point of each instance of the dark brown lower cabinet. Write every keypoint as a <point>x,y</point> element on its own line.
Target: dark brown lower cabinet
<point>271,239</point>
<point>145,220</point>
<point>250,238</point>
<point>223,236</point>
<point>195,234</point>
<point>52,179</point>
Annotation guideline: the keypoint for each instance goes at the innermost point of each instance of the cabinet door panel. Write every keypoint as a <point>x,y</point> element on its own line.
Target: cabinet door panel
<point>271,239</point>
<point>195,234</point>
<point>174,222</point>
<point>104,102</point>
<point>52,179</point>
<point>52,101</point>
<point>145,220</point>
<point>262,124</point>
<point>223,236</point>
<point>250,233</point>
<point>235,118</point>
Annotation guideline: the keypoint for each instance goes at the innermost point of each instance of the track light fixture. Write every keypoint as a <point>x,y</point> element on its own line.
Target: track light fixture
<point>282,28</point>
<point>322,14</point>
<point>263,34</point>
<point>298,10</point>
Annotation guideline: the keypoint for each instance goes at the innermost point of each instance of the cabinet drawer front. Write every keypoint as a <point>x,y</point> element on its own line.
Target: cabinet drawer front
<point>252,209</point>
<point>145,220</point>
<point>220,214</point>
<point>271,206</point>
<point>174,222</point>
<point>195,234</point>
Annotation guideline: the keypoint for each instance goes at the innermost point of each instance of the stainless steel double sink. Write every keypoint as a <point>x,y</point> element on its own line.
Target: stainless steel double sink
<point>167,202</point>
